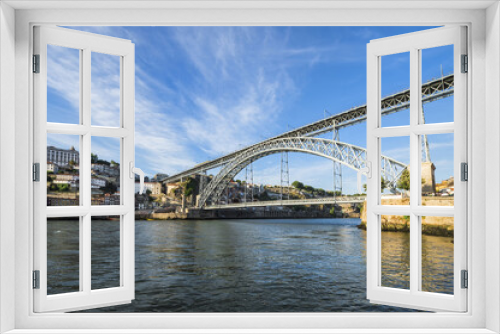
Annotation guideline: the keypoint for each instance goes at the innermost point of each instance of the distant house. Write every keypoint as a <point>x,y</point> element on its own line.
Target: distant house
<point>98,183</point>
<point>52,167</point>
<point>154,187</point>
<point>69,179</point>
<point>106,169</point>
<point>65,178</point>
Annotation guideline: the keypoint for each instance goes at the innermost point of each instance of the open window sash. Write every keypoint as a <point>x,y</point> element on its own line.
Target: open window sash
<point>415,297</point>
<point>83,209</point>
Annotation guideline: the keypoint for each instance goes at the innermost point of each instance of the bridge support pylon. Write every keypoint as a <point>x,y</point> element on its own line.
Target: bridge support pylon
<point>337,169</point>
<point>285,176</point>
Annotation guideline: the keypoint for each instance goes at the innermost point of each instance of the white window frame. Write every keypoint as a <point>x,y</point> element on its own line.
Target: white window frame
<point>484,101</point>
<point>414,43</point>
<point>86,44</point>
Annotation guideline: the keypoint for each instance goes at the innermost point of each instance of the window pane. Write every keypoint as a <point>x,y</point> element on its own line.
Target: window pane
<point>395,77</point>
<point>394,178</point>
<point>437,65</point>
<point>63,85</point>
<point>395,251</point>
<point>63,255</point>
<point>105,90</point>
<point>63,170</point>
<point>105,171</point>
<point>437,254</point>
<point>105,252</point>
<point>437,170</point>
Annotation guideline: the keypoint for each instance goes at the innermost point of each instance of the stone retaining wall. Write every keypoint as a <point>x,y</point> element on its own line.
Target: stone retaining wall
<point>439,226</point>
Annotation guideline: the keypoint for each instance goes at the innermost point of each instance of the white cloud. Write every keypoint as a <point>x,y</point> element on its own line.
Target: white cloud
<point>238,94</point>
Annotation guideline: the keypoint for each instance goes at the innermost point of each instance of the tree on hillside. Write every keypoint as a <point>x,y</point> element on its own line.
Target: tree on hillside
<point>309,189</point>
<point>404,180</point>
<point>93,157</point>
<point>63,187</point>
<point>298,185</point>
<point>110,188</point>
<point>320,191</point>
<point>189,186</point>
<point>100,161</point>
<point>264,196</point>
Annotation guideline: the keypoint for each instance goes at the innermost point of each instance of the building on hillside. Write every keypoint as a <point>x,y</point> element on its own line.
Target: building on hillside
<point>106,169</point>
<point>154,187</point>
<point>65,178</point>
<point>52,167</point>
<point>62,157</point>
<point>97,183</point>
<point>69,179</point>
<point>450,182</point>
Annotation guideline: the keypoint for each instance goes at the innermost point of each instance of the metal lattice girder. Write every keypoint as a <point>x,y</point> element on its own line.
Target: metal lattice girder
<point>349,155</point>
<point>431,91</point>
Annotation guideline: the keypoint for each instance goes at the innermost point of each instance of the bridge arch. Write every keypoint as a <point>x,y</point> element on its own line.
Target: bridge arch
<point>352,156</point>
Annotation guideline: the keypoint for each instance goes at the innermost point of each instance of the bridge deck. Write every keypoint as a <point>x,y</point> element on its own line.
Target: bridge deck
<point>313,201</point>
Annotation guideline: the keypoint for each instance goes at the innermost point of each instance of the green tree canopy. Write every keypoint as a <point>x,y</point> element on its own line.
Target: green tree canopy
<point>404,180</point>
<point>332,211</point>
<point>309,189</point>
<point>189,186</point>
<point>298,185</point>
<point>383,183</point>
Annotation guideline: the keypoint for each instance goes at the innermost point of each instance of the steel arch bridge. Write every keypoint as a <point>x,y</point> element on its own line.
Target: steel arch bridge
<point>348,155</point>
<point>431,91</point>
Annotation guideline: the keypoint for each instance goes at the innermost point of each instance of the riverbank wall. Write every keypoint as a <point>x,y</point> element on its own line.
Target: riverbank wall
<point>437,226</point>
<point>341,211</point>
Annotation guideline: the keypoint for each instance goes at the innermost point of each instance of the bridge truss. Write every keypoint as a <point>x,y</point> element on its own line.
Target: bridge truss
<point>348,155</point>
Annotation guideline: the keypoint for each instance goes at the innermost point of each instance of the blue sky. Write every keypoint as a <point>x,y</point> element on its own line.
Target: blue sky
<point>205,91</point>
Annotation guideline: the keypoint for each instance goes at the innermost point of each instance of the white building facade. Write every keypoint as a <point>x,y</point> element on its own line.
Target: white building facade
<point>61,156</point>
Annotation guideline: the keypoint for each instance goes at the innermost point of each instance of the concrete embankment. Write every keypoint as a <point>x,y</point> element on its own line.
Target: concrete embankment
<point>437,226</point>
<point>148,215</point>
<point>340,211</point>
<point>228,214</point>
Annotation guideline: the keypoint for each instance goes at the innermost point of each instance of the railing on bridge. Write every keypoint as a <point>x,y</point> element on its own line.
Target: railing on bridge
<point>291,202</point>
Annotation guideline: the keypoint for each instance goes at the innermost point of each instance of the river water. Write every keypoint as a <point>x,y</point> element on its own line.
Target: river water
<point>251,265</point>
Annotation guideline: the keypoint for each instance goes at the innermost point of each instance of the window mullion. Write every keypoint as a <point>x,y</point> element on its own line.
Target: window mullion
<point>85,183</point>
<point>415,170</point>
